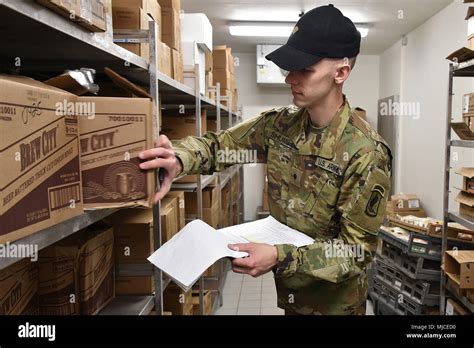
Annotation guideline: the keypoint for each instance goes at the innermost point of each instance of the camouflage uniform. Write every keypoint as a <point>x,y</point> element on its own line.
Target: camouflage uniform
<point>331,185</point>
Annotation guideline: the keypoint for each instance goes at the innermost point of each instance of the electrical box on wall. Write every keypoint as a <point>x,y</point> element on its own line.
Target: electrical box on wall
<point>268,72</point>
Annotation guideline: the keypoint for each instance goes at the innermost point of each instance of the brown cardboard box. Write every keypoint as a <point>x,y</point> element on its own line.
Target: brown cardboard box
<point>171,28</point>
<point>211,125</point>
<point>110,144</point>
<point>177,63</point>
<point>177,301</point>
<point>454,308</point>
<point>222,76</point>
<point>211,215</point>
<point>209,62</point>
<point>178,126</point>
<point>179,195</point>
<point>225,205</point>
<point>90,14</point>
<point>142,285</point>
<point>40,174</point>
<point>130,18</point>
<point>214,270</point>
<point>235,182</point>
<point>210,197</point>
<point>466,206</point>
<point>265,196</point>
<point>169,219</point>
<point>18,288</point>
<point>76,274</point>
<point>468,104</point>
<point>222,58</point>
<point>209,81</point>
<point>175,4</point>
<point>151,7</point>
<point>459,266</point>
<point>207,301</point>
<point>404,202</point>
<point>164,54</point>
<point>390,211</point>
<point>468,179</point>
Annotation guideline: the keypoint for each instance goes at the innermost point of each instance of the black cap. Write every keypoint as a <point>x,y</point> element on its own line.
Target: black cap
<point>323,32</point>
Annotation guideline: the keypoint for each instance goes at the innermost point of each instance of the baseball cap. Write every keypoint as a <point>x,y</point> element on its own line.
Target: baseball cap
<point>323,32</point>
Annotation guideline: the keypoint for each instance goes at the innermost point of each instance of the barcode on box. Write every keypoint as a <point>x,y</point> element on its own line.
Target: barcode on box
<point>62,196</point>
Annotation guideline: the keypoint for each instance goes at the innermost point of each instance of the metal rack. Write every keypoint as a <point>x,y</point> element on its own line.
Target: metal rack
<point>464,69</point>
<point>64,45</point>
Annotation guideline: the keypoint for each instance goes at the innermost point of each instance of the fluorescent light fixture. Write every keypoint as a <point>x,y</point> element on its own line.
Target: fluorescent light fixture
<point>275,29</point>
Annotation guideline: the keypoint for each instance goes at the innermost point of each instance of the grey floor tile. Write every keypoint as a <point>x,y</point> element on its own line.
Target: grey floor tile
<point>248,311</point>
<point>272,311</point>
<point>226,311</point>
<point>230,302</point>
<point>251,296</point>
<point>249,304</point>
<point>269,302</point>
<point>251,290</point>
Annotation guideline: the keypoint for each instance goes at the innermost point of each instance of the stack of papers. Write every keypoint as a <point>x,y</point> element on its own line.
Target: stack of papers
<point>186,256</point>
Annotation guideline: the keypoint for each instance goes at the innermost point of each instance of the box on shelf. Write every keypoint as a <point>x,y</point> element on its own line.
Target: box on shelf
<point>468,179</point>
<point>18,288</point>
<point>470,27</point>
<point>179,195</point>
<point>403,202</point>
<point>175,4</point>
<point>211,125</point>
<point>207,302</point>
<point>150,7</point>
<point>177,301</point>
<point>177,126</point>
<point>41,178</point>
<point>177,63</point>
<point>214,270</point>
<point>169,218</point>
<point>91,14</point>
<point>235,214</point>
<point>171,27</point>
<point>130,18</point>
<point>459,266</point>
<point>222,58</point>
<point>466,204</point>
<point>139,286</point>
<point>209,82</point>
<point>196,27</point>
<point>110,143</point>
<point>164,55</point>
<point>209,61</point>
<point>462,130</point>
<point>391,211</point>
<point>225,205</point>
<point>454,308</point>
<point>76,274</point>
<point>210,197</point>
<point>222,76</point>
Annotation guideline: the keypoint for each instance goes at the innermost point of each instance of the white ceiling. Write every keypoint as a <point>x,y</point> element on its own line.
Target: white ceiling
<point>383,15</point>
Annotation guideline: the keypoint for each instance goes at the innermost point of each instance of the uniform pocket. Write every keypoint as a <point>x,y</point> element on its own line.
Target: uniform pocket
<point>322,200</point>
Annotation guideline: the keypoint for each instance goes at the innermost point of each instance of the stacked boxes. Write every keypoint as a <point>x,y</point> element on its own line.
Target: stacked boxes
<point>466,194</point>
<point>405,204</point>
<point>459,268</point>
<point>76,274</point>
<point>41,179</point>
<point>468,109</point>
<point>210,205</point>
<point>171,35</point>
<point>224,73</point>
<point>177,301</point>
<point>179,195</point>
<point>207,302</point>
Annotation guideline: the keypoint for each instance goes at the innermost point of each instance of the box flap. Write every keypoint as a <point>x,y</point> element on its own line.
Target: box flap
<point>462,130</point>
<point>131,216</point>
<point>126,84</point>
<point>461,256</point>
<point>78,82</point>
<point>465,198</point>
<point>461,54</point>
<point>466,172</point>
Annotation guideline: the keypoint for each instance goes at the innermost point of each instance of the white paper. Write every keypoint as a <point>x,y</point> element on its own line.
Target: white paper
<point>198,246</point>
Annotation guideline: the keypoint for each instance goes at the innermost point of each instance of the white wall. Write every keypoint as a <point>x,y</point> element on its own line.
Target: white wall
<point>362,89</point>
<point>423,79</point>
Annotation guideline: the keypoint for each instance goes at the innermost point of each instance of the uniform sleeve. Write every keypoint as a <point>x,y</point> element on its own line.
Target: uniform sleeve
<point>243,143</point>
<point>361,204</point>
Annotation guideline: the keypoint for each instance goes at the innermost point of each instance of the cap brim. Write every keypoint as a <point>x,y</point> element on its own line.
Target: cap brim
<point>291,59</point>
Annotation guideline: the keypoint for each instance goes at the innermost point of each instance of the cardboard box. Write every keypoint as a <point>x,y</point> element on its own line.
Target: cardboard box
<point>151,7</point>
<point>222,76</point>
<point>225,205</point>
<point>169,219</point>
<point>222,58</point>
<point>171,28</point>
<point>468,179</point>
<point>139,286</point>
<point>211,125</point>
<point>210,197</point>
<point>131,18</point>
<point>207,302</point>
<point>178,126</point>
<point>209,62</point>
<point>110,144</point>
<point>76,275</point>
<point>90,14</point>
<point>177,301</point>
<point>179,195</point>
<point>40,175</point>
<point>454,308</point>
<point>177,63</point>
<point>174,4</point>
<point>403,202</point>
<point>211,215</point>
<point>459,266</point>
<point>196,27</point>
<point>391,211</point>
<point>462,130</point>
<point>164,55</point>
<point>468,104</point>
<point>214,270</point>
<point>466,204</point>
<point>18,288</point>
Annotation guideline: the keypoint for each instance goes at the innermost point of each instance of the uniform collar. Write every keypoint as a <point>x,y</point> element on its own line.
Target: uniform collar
<point>324,144</point>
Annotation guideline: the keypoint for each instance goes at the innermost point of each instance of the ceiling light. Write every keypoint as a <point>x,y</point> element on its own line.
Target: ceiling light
<point>275,29</point>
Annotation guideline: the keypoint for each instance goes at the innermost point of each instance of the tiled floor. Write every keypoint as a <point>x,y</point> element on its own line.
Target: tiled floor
<point>245,295</point>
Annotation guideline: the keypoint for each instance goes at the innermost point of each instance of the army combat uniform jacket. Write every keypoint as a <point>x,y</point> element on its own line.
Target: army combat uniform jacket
<point>331,185</point>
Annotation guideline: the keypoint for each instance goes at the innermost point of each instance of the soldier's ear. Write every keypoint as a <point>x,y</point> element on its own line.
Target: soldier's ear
<point>343,70</point>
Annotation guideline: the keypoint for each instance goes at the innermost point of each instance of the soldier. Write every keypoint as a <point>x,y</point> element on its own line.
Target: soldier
<point>328,171</point>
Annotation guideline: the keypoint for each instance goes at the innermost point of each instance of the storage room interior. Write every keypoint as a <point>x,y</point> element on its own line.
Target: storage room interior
<point>79,106</point>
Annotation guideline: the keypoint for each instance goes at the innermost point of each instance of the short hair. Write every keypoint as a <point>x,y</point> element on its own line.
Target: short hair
<point>352,62</point>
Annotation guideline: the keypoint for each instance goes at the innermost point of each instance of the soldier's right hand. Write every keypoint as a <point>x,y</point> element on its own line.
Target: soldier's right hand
<point>162,156</point>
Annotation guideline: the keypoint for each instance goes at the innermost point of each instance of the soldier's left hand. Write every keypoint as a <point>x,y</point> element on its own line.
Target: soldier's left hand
<point>262,258</point>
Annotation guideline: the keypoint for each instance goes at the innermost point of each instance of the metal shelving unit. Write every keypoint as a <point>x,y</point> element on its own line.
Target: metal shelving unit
<point>464,69</point>
<point>65,45</point>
